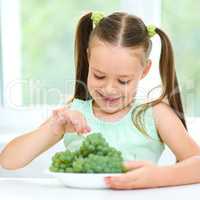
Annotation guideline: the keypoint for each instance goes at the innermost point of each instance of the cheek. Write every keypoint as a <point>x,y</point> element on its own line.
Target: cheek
<point>130,89</point>
<point>92,84</point>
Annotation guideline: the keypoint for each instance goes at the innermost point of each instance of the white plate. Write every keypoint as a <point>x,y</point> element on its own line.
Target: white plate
<point>82,180</point>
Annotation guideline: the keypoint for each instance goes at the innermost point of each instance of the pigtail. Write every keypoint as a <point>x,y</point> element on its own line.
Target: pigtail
<point>83,31</point>
<point>168,76</point>
<point>170,87</point>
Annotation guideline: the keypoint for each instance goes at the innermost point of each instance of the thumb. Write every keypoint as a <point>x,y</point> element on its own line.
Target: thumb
<point>134,164</point>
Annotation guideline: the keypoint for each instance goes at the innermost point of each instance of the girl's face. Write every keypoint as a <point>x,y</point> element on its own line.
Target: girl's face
<point>114,74</point>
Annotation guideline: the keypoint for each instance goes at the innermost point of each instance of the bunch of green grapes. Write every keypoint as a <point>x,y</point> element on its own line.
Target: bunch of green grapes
<point>94,156</point>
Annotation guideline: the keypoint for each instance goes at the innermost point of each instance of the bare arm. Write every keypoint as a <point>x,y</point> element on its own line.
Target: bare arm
<point>23,149</point>
<point>186,150</point>
<point>184,172</point>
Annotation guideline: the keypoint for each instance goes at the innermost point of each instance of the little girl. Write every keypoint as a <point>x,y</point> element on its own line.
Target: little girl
<point>112,56</point>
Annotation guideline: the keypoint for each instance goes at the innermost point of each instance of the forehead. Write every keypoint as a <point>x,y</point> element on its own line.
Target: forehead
<point>115,59</point>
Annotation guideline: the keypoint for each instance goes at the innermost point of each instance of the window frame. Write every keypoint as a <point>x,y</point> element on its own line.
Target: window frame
<point>1,71</point>
<point>11,71</point>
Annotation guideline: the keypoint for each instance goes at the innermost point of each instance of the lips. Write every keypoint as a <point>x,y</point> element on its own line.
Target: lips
<point>109,99</point>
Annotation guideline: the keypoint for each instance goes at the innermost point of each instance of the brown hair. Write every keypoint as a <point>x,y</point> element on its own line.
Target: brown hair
<point>127,31</point>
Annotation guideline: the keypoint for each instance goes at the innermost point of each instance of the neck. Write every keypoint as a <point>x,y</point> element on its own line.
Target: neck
<point>116,115</point>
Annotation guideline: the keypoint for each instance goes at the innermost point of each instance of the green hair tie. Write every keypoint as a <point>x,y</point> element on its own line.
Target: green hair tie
<point>97,17</point>
<point>151,30</point>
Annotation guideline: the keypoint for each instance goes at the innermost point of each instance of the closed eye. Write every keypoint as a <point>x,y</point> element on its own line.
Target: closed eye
<point>124,82</point>
<point>99,77</point>
<point>120,81</point>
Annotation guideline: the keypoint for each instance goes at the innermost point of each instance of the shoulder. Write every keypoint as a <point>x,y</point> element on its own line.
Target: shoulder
<point>172,131</point>
<point>165,117</point>
<point>163,109</point>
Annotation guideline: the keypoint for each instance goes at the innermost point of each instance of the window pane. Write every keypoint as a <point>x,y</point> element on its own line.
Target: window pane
<point>48,29</point>
<point>181,20</point>
<point>1,77</point>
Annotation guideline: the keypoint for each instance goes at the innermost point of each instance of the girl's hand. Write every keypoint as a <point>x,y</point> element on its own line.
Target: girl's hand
<point>66,120</point>
<point>141,174</point>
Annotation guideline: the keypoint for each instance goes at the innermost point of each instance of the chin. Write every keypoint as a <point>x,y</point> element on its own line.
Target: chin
<point>108,108</point>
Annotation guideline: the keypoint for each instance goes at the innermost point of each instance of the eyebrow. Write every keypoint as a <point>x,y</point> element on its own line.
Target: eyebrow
<point>118,75</point>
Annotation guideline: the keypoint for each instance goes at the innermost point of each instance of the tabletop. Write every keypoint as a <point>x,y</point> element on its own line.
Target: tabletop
<point>52,189</point>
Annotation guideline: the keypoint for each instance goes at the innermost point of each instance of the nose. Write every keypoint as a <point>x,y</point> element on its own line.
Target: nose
<point>110,89</point>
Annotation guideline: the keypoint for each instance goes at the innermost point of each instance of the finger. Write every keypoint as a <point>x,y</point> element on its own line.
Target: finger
<point>120,186</point>
<point>135,164</point>
<point>137,184</point>
<point>85,127</point>
<point>128,186</point>
<point>127,181</point>
<point>123,179</point>
<point>56,117</point>
<point>69,120</point>
<point>62,117</point>
<point>55,113</point>
<point>82,124</point>
<point>66,113</point>
<point>79,128</point>
<point>75,124</point>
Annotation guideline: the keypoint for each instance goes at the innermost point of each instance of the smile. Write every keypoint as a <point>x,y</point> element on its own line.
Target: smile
<point>109,99</point>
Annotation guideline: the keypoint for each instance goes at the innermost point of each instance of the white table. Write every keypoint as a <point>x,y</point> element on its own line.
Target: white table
<point>51,189</point>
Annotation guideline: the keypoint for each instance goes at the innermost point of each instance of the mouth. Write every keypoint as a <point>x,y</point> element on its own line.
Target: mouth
<point>108,98</point>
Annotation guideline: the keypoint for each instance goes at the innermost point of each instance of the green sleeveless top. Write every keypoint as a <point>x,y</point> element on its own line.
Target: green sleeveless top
<point>122,134</point>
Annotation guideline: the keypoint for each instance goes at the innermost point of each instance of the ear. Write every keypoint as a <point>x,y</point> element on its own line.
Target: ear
<point>147,68</point>
<point>88,54</point>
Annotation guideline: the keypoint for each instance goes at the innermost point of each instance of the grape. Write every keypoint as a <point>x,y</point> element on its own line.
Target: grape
<point>93,156</point>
